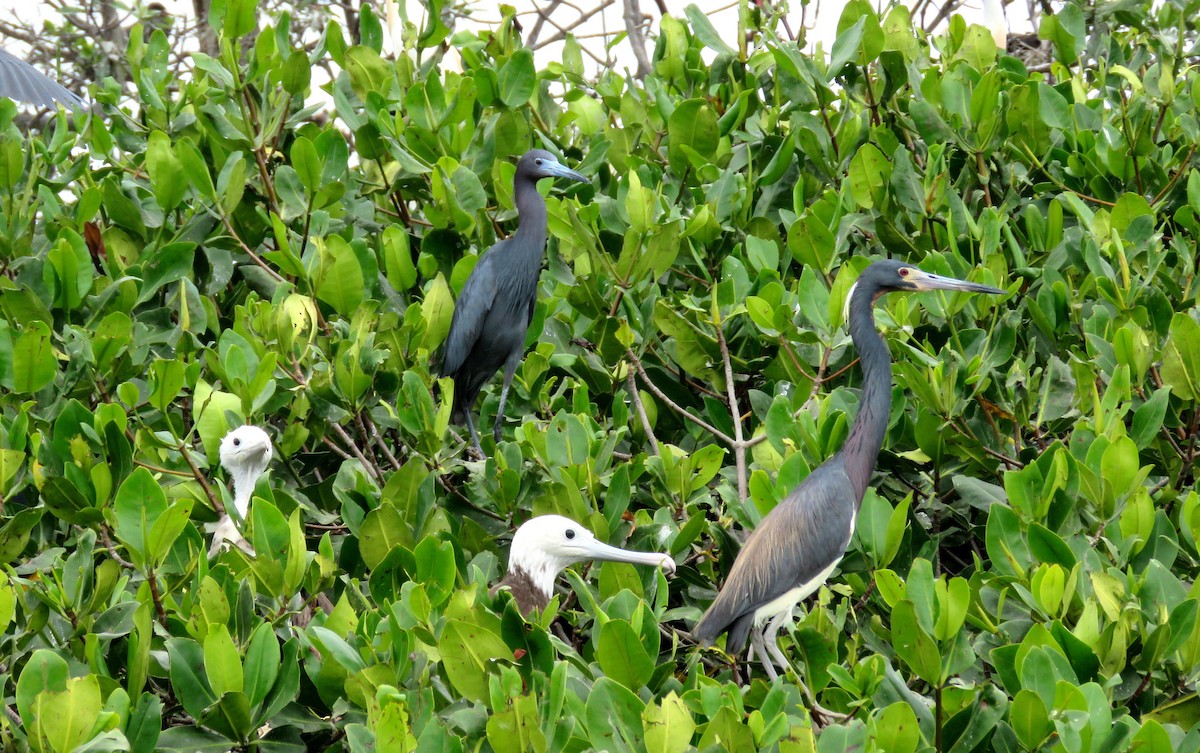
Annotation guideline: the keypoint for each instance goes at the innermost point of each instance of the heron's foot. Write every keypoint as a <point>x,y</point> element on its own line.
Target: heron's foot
<point>819,713</point>
<point>475,452</point>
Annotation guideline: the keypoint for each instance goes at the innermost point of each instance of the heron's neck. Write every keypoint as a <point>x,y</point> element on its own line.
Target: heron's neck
<point>540,568</point>
<point>875,405</point>
<point>244,480</point>
<point>531,211</point>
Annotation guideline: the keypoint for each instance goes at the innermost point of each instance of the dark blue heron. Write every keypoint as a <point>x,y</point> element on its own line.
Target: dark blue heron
<point>798,544</point>
<point>496,304</point>
<point>21,82</point>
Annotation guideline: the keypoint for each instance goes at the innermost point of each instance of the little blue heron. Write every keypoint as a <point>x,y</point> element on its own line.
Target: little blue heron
<point>544,545</point>
<point>798,544</point>
<point>245,455</point>
<point>21,82</point>
<point>496,304</point>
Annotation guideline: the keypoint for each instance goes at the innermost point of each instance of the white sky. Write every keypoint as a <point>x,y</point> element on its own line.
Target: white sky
<point>821,20</point>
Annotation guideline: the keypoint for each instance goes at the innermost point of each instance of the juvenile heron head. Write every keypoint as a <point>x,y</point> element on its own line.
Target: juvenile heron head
<point>545,545</point>
<point>538,164</point>
<point>245,455</point>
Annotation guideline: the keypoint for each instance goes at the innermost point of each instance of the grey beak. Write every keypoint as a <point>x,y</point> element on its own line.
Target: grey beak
<point>560,171</point>
<point>599,551</point>
<point>937,282</point>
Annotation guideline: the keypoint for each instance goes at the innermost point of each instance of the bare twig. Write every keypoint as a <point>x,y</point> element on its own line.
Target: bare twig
<point>633,26</point>
<point>739,445</point>
<point>631,385</point>
<point>650,385</point>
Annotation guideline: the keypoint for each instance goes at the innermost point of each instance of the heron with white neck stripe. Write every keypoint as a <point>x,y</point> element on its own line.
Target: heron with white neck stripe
<point>797,546</point>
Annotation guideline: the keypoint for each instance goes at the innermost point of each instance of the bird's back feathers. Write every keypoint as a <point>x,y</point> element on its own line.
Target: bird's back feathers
<point>802,536</point>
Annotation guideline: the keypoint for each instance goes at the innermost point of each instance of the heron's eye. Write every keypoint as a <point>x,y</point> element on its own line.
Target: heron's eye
<point>570,533</point>
<point>236,442</point>
<point>904,271</point>
<point>537,162</point>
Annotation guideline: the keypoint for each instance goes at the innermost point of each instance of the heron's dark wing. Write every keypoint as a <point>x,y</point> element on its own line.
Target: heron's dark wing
<point>471,311</point>
<point>803,535</point>
<point>22,82</point>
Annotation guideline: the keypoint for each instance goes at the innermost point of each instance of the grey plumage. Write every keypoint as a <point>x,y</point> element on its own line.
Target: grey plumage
<point>21,82</point>
<point>798,544</point>
<point>496,305</point>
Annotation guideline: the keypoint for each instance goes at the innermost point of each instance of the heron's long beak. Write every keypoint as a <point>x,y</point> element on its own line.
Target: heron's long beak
<point>598,551</point>
<point>561,171</point>
<point>927,281</point>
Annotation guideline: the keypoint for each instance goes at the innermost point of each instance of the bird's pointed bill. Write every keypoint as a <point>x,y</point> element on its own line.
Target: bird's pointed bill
<point>928,281</point>
<point>599,551</point>
<point>558,170</point>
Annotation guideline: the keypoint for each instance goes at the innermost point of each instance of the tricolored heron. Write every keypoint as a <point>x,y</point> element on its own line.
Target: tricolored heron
<point>21,82</point>
<point>245,455</point>
<point>496,304</point>
<point>545,545</point>
<point>798,544</point>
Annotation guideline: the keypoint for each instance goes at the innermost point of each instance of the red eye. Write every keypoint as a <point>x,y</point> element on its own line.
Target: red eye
<point>904,271</point>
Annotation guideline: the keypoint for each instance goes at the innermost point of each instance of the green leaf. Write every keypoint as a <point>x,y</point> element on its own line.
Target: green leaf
<point>913,645</point>
<point>693,124</point>
<point>188,680</point>
<point>340,278</point>
<point>262,664</point>
<point>896,729</point>
<point>622,656</point>
<point>1181,357</point>
<point>845,47</point>
<point>166,171</point>
<point>614,717</point>
<point>46,672</point>
<point>468,653</point>
<point>65,718</point>
<point>170,263</point>
<point>518,79</point>
<point>139,504</point>
<point>668,725</point>
<point>34,360</point>
<point>222,665</point>
<point>706,32</point>
<point>1029,718</point>
<point>869,173</point>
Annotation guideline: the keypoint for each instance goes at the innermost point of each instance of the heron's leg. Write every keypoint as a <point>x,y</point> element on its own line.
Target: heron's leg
<point>756,643</point>
<point>510,368</point>
<point>474,435</point>
<point>771,638</point>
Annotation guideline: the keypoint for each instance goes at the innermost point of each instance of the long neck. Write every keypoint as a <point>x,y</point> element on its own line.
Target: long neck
<point>244,480</point>
<point>875,406</point>
<point>531,209</point>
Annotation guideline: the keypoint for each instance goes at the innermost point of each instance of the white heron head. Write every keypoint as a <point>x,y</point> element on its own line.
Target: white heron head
<point>545,545</point>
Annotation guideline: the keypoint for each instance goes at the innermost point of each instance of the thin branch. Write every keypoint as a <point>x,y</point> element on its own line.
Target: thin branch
<point>650,385</point>
<point>250,252</point>
<point>739,445</point>
<point>631,385</point>
<point>633,26</point>
<point>196,474</point>
<point>370,467</point>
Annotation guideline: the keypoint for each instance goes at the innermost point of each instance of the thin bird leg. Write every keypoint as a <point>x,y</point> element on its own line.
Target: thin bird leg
<point>771,638</point>
<point>510,368</point>
<point>474,435</point>
<point>756,642</point>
